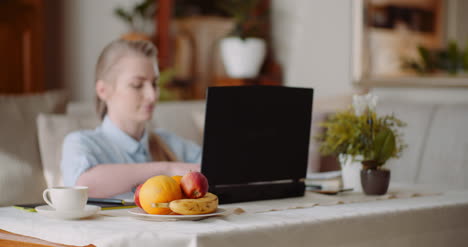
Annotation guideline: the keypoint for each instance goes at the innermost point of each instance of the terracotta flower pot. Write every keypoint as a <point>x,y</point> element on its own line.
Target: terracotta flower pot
<point>132,36</point>
<point>375,181</point>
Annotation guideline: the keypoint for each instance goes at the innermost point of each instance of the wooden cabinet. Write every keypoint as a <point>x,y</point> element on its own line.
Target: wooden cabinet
<point>21,46</point>
<point>189,43</point>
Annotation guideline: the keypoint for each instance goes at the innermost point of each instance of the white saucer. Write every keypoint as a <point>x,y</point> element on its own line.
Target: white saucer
<point>48,211</point>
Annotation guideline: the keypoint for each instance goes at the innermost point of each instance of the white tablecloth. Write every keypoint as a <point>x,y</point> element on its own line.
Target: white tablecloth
<point>439,219</point>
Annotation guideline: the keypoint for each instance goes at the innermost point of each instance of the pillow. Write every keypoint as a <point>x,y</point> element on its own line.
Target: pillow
<point>418,117</point>
<point>81,108</point>
<point>21,179</point>
<point>176,116</point>
<point>444,158</point>
<point>173,116</point>
<point>52,129</point>
<point>199,121</point>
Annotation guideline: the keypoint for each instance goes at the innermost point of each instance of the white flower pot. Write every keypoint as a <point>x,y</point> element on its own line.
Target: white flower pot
<point>243,58</point>
<point>350,172</point>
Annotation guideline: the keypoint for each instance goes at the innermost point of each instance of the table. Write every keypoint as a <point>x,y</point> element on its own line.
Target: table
<point>437,219</point>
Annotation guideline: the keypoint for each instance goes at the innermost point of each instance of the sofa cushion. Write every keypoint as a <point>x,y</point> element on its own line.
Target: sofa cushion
<point>417,116</point>
<point>177,117</point>
<point>174,116</point>
<point>52,129</point>
<point>81,108</point>
<point>198,118</point>
<point>444,160</point>
<point>21,178</point>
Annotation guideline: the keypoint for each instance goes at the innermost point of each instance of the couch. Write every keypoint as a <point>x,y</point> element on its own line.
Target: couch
<point>34,126</point>
<point>32,132</point>
<point>21,177</point>
<point>437,138</point>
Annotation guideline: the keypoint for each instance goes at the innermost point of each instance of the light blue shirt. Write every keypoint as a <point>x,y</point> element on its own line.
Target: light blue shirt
<point>107,144</point>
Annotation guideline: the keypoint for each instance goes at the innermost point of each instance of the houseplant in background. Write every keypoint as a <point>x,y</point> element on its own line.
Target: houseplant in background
<point>243,51</point>
<point>165,91</point>
<point>452,60</point>
<point>360,135</point>
<point>139,18</point>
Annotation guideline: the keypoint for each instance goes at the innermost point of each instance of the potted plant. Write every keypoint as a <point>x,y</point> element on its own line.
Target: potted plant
<point>451,60</point>
<point>139,18</point>
<point>244,50</point>
<point>359,134</point>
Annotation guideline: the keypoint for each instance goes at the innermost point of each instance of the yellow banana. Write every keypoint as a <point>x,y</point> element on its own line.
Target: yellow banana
<point>205,205</point>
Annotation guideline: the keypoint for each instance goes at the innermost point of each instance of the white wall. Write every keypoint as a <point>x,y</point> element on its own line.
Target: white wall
<point>88,26</point>
<point>312,40</point>
<point>457,22</point>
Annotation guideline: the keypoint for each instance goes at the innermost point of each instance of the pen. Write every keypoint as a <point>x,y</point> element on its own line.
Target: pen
<point>107,200</point>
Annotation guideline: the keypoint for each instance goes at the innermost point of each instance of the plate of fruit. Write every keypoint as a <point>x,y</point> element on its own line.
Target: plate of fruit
<point>165,198</point>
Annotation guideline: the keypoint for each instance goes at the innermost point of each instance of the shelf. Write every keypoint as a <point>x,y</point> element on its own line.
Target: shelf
<point>416,82</point>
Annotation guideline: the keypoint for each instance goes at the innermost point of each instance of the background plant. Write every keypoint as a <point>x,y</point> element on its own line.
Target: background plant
<point>165,92</point>
<point>247,24</point>
<point>451,59</point>
<point>139,17</point>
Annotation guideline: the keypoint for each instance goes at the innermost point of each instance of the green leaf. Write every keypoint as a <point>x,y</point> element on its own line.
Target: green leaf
<point>166,76</point>
<point>384,145</point>
<point>465,58</point>
<point>143,8</point>
<point>241,12</point>
<point>124,15</point>
<point>427,64</point>
<point>453,57</point>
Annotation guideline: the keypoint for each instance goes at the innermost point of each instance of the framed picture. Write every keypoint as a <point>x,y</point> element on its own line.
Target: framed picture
<point>401,43</point>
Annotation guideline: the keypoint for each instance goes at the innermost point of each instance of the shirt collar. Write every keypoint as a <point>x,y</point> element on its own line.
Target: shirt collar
<point>122,139</point>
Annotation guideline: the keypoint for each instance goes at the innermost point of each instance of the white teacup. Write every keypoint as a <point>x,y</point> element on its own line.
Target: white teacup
<point>71,198</point>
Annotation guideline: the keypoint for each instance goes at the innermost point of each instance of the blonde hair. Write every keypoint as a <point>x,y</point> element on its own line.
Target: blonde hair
<point>106,61</point>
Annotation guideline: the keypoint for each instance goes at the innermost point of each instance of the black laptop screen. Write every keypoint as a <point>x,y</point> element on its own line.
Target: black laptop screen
<point>256,134</point>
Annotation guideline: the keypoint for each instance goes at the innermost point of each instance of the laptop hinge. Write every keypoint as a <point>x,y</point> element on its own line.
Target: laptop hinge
<point>255,192</point>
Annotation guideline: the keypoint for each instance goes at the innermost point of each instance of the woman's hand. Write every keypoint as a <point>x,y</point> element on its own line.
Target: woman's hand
<point>180,168</point>
<point>108,180</point>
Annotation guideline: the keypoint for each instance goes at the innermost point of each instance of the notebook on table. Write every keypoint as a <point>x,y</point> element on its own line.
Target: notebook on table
<point>104,203</point>
<point>256,142</point>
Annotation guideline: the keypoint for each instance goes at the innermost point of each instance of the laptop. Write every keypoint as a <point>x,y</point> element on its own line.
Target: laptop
<point>256,142</point>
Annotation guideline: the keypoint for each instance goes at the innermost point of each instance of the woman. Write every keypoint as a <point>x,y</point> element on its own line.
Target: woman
<point>122,152</point>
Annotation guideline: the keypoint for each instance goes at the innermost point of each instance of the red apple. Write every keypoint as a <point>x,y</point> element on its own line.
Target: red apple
<point>137,195</point>
<point>194,185</point>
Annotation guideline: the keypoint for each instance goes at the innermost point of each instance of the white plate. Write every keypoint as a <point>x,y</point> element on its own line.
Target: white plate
<point>139,213</point>
<point>48,211</point>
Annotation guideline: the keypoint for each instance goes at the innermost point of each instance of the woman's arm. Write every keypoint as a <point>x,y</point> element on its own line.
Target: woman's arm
<point>108,180</point>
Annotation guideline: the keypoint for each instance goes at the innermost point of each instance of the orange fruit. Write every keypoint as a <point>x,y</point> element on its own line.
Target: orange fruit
<point>159,189</point>
<point>177,178</point>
